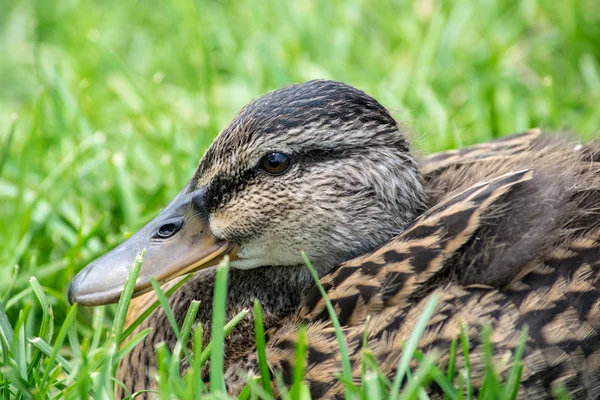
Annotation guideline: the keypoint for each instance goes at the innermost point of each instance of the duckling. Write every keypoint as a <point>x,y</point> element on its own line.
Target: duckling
<point>505,233</point>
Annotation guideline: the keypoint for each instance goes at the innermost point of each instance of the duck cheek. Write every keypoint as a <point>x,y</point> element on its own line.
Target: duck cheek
<point>233,225</point>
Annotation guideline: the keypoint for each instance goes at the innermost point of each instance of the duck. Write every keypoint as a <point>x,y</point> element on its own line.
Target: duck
<point>505,234</point>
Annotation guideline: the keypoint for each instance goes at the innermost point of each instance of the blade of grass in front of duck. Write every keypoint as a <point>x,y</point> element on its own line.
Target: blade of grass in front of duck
<point>47,327</point>
<point>350,386</point>
<point>206,353</point>
<point>62,333</point>
<point>365,339</point>
<point>490,387</point>
<point>14,300</point>
<point>440,378</point>
<point>217,382</point>
<point>514,377</point>
<point>411,345</point>
<point>195,380</point>
<point>74,342</point>
<point>451,364</point>
<point>299,367</point>
<point>464,337</point>
<point>514,390</point>
<point>415,385</point>
<point>41,345</point>
<point>560,393</point>
<point>127,347</point>
<point>181,345</point>
<point>97,327</point>
<point>461,385</point>
<point>281,387</point>
<point>254,391</point>
<point>371,362</point>
<point>346,368</point>
<point>163,360</point>
<point>123,306</point>
<point>153,307</point>
<point>164,303</point>
<point>107,372</point>
<point>261,349</point>
<point>19,383</point>
<point>371,386</point>
<point>19,344</point>
<point>190,318</point>
<point>248,390</point>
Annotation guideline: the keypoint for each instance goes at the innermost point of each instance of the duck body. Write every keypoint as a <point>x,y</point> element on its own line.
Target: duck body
<point>506,234</point>
<point>518,251</point>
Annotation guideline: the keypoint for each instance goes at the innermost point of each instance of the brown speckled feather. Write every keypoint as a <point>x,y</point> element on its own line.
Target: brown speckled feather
<point>502,148</point>
<point>391,275</point>
<point>544,273</point>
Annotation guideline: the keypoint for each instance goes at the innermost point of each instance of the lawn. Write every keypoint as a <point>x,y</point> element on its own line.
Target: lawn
<point>106,108</point>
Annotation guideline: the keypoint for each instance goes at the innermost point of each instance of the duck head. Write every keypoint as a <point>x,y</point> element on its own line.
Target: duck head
<point>319,167</point>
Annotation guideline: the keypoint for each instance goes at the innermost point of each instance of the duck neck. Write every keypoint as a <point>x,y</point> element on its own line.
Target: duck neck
<point>279,291</point>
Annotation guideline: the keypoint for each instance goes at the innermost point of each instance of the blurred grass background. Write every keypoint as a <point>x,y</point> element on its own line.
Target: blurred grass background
<point>106,107</point>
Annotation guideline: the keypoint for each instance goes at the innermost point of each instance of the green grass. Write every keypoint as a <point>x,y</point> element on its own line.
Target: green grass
<point>106,107</point>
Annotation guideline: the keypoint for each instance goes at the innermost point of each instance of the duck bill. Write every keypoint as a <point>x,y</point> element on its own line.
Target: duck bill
<point>178,241</point>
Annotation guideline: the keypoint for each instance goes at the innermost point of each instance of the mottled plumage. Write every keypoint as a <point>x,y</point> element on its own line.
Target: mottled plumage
<point>459,250</point>
<point>506,233</point>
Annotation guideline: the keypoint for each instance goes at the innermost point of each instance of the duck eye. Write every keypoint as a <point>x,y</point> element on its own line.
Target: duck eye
<point>169,229</point>
<point>275,163</point>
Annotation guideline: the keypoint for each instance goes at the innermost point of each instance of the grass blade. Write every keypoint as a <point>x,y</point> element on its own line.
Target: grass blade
<point>452,363</point>
<point>411,345</point>
<point>217,382</point>
<point>62,333</point>
<point>514,379</point>
<point>125,299</point>
<point>299,368</point>
<point>206,353</point>
<point>372,386</point>
<point>422,377</point>
<point>440,379</point>
<point>134,341</point>
<point>261,349</point>
<point>346,368</point>
<point>464,337</point>
<point>7,143</point>
<point>47,327</point>
<point>188,322</point>
<point>6,331</point>
<point>153,307</point>
<point>47,350</point>
<point>11,285</point>
<point>97,326</point>
<point>164,303</point>
<point>20,344</point>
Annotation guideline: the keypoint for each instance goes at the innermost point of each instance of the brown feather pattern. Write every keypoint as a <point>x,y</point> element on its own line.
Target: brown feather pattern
<point>555,294</point>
